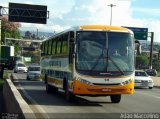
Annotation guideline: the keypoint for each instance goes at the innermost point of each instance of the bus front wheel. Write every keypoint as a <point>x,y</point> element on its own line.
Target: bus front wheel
<point>69,96</point>
<point>115,98</point>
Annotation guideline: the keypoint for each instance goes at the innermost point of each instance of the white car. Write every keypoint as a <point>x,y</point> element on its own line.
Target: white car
<point>142,80</point>
<point>33,73</point>
<point>20,67</point>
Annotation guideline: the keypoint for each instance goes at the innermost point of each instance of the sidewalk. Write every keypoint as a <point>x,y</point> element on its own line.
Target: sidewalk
<point>156,81</point>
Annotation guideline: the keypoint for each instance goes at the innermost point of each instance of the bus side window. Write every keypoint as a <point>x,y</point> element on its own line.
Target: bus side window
<point>65,44</point>
<point>71,46</point>
<point>59,46</point>
<point>53,46</point>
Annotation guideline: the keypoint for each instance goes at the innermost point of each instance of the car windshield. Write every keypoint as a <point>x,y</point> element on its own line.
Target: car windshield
<point>140,74</point>
<point>21,65</point>
<point>34,68</point>
<point>104,53</point>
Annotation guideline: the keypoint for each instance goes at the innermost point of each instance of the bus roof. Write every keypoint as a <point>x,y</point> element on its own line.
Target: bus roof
<point>93,28</point>
<point>103,28</point>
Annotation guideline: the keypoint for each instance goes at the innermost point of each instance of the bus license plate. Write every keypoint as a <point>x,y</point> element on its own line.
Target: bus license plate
<point>106,90</point>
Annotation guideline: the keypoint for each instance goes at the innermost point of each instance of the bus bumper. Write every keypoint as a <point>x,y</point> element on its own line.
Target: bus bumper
<point>84,89</point>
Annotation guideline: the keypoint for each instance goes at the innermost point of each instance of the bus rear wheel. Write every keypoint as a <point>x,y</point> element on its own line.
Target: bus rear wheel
<point>115,98</point>
<point>48,88</point>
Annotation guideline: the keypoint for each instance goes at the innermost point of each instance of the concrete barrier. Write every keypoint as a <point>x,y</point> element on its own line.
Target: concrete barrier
<point>156,81</point>
<point>15,104</point>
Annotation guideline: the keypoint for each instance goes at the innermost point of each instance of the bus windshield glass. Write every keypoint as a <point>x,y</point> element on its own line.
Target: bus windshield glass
<point>104,53</point>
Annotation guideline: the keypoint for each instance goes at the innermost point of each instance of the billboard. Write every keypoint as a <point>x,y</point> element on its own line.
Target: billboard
<point>27,13</point>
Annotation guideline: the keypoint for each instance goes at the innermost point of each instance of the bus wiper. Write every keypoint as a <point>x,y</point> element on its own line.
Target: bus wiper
<point>114,63</point>
<point>97,60</point>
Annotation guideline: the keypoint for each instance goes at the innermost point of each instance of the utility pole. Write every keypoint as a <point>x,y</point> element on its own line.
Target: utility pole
<point>151,50</point>
<point>37,34</point>
<point>111,5</point>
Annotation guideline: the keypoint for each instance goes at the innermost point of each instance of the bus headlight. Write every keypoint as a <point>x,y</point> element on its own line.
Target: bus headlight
<point>126,82</point>
<point>85,81</point>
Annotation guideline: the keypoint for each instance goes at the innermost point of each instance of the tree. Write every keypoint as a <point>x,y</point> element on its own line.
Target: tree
<point>142,61</point>
<point>156,64</point>
<point>9,29</point>
<point>28,34</point>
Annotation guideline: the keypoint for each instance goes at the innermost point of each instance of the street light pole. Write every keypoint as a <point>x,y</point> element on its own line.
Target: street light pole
<point>111,5</point>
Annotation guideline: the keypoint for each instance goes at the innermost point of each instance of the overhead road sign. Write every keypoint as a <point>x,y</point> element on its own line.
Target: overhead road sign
<point>139,33</point>
<point>28,13</point>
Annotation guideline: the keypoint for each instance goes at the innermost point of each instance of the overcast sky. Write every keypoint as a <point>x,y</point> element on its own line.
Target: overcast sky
<point>68,13</point>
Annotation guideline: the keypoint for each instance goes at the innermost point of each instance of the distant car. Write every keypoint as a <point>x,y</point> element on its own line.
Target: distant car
<point>151,72</point>
<point>33,72</point>
<point>142,80</point>
<point>20,67</point>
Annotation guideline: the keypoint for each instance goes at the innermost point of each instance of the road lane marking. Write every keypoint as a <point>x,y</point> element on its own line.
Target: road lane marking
<point>151,95</point>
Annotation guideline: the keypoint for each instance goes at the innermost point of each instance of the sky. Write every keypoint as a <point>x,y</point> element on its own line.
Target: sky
<point>64,14</point>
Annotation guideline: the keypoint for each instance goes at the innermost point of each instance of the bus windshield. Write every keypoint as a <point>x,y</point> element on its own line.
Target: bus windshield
<point>104,53</point>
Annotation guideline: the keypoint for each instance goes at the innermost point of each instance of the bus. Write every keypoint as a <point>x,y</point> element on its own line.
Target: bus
<point>89,60</point>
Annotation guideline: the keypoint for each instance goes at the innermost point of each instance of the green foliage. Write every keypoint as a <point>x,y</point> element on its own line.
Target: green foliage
<point>28,34</point>
<point>9,29</point>
<point>156,64</point>
<point>141,61</point>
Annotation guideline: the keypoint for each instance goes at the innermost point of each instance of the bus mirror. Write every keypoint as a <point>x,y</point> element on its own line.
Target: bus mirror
<point>139,50</point>
<point>138,47</point>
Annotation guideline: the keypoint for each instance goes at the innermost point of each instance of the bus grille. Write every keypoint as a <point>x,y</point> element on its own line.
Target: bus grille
<point>113,84</point>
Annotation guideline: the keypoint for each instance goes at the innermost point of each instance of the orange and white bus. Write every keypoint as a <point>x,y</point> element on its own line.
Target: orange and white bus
<point>90,60</point>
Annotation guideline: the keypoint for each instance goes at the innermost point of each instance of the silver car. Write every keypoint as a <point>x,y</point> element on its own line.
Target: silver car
<point>143,80</point>
<point>20,67</point>
<point>33,73</point>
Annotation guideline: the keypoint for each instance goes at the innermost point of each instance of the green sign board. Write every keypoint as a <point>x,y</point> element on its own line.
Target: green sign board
<point>139,33</point>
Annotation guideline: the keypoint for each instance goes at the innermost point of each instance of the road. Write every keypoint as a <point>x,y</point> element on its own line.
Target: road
<point>55,105</point>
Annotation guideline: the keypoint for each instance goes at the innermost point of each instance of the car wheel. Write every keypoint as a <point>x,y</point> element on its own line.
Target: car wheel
<point>150,87</point>
<point>115,98</point>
